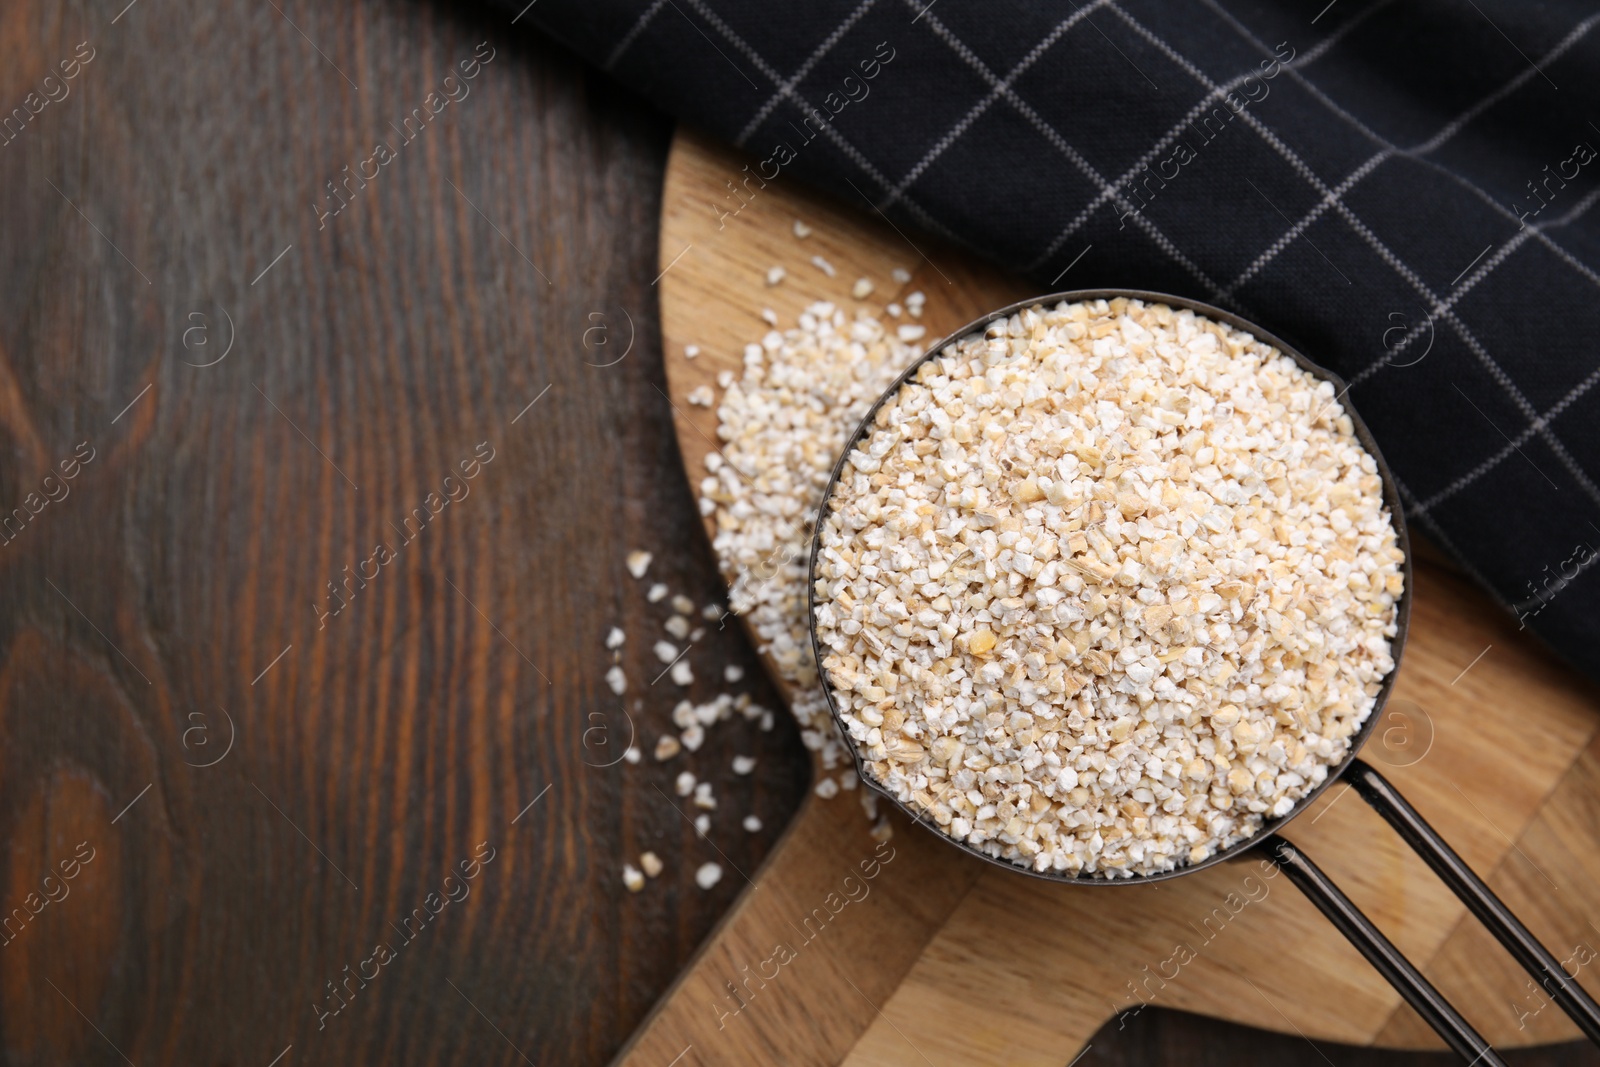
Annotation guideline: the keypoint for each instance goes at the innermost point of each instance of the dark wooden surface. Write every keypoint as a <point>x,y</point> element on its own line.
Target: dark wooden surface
<point>267,792</point>
<point>1174,1038</point>
<point>378,353</point>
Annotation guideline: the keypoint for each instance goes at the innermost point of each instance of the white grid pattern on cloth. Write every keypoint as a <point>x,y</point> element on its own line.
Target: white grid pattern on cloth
<point>833,135</point>
<point>995,92</point>
<point>1537,425</point>
<point>1479,273</point>
<point>1498,373</point>
<point>1050,134</point>
<point>1389,150</point>
<point>633,33</point>
<point>1459,291</point>
<point>1510,446</point>
<point>1312,55</point>
<point>805,68</point>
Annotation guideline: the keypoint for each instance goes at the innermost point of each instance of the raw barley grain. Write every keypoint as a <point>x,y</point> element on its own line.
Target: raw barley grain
<point>1085,590</point>
<point>782,425</point>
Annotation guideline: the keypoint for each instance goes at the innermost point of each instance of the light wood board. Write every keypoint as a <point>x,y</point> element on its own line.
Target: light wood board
<point>945,960</point>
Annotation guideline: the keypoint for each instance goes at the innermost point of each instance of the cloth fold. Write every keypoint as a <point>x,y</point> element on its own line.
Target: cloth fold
<point>1403,191</point>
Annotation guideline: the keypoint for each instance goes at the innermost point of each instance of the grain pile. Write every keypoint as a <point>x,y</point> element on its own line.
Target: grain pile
<point>782,424</point>
<point>1106,587</point>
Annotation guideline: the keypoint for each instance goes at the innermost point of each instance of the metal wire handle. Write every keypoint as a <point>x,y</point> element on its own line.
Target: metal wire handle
<point>1537,960</point>
<point>1390,962</point>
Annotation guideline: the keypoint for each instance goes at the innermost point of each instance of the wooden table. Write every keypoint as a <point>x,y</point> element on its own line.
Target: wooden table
<point>261,748</point>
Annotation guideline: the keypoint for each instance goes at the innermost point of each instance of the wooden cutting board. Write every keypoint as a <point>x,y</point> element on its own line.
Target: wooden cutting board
<point>940,959</point>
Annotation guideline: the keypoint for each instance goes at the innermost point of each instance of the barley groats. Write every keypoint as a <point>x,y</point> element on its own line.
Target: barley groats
<point>1106,586</point>
<point>782,426</point>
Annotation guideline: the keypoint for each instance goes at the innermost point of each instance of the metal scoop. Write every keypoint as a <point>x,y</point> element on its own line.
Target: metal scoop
<point>1372,787</point>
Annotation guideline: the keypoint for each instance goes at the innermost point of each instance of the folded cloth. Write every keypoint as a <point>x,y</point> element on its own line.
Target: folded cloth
<point>1403,191</point>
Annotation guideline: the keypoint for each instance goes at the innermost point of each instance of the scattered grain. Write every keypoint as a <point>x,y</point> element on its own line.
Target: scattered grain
<point>764,485</point>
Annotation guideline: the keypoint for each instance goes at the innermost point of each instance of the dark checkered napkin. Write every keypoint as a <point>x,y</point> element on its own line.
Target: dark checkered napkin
<point>1401,190</point>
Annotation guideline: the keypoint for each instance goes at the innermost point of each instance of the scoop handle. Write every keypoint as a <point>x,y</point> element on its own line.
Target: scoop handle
<point>1409,982</point>
<point>1425,841</point>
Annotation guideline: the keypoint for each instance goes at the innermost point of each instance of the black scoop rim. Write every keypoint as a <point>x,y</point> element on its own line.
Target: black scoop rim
<point>1391,499</point>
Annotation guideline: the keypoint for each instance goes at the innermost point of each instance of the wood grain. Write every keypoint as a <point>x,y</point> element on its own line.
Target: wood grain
<point>144,612</point>
<point>1012,970</point>
<point>151,606</point>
